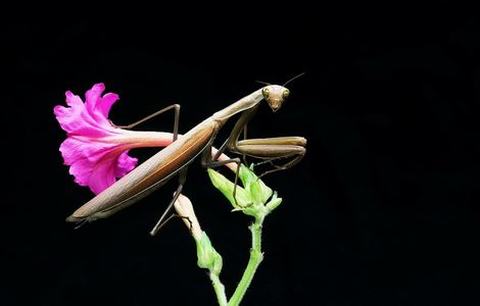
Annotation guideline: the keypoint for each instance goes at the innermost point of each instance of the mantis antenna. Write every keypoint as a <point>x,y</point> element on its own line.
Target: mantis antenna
<point>294,78</point>
<point>286,83</point>
<point>262,82</point>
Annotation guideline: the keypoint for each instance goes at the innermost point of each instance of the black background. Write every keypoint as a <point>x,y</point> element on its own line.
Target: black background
<point>383,210</point>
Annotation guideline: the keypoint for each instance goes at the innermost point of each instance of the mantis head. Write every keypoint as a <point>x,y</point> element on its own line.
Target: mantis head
<point>275,95</point>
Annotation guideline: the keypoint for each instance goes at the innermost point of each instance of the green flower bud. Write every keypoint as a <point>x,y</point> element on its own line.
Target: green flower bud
<point>274,202</point>
<point>226,187</point>
<point>256,188</point>
<point>207,256</point>
<point>252,198</point>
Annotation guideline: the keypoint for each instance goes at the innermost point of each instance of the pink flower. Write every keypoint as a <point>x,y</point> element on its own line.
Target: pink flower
<point>96,150</point>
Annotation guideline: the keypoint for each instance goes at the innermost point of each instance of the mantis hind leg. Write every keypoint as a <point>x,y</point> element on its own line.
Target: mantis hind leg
<point>174,215</point>
<point>182,177</point>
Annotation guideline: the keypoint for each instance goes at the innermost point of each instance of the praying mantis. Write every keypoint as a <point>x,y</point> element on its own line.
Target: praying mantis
<point>175,158</point>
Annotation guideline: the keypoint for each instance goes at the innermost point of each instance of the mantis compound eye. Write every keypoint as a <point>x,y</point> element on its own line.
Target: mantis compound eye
<point>266,92</point>
<point>286,93</point>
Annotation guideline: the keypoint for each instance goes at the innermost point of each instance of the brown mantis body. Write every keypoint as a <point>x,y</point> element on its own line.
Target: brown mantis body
<point>176,157</point>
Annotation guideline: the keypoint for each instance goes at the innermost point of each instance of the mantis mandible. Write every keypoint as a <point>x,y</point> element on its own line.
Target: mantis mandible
<point>176,157</point>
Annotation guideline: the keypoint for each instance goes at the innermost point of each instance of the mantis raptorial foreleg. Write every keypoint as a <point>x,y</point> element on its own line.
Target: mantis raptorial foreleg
<point>265,148</point>
<point>268,149</point>
<point>272,149</point>
<point>244,156</point>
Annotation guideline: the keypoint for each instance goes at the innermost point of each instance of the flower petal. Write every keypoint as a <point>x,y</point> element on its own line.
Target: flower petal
<point>106,103</point>
<point>96,164</point>
<point>125,164</point>
<point>73,100</point>
<point>102,176</point>
<point>92,97</point>
<point>82,119</point>
<point>74,148</point>
<point>95,150</point>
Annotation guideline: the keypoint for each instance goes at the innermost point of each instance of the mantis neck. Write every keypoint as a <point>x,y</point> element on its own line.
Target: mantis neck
<point>241,105</point>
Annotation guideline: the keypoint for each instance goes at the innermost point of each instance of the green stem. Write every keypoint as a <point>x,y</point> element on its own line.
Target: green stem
<point>219,289</point>
<point>256,257</point>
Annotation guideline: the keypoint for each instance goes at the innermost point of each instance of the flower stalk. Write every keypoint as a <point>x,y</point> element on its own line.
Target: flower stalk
<point>256,257</point>
<point>254,199</point>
